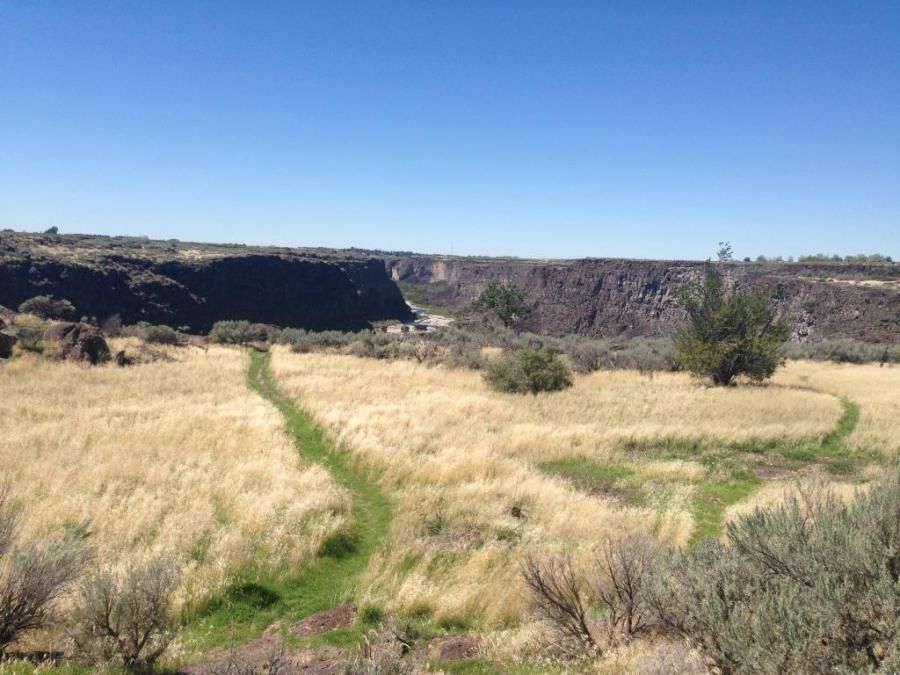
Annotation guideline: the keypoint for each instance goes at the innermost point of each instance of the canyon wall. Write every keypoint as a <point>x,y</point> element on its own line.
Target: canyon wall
<point>193,286</point>
<point>606,297</point>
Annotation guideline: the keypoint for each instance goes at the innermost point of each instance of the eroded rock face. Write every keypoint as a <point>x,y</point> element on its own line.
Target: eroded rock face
<point>163,284</point>
<point>602,297</point>
<point>78,342</point>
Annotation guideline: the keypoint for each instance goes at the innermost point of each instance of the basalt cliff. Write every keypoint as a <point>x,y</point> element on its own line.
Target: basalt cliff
<point>607,297</point>
<point>194,285</point>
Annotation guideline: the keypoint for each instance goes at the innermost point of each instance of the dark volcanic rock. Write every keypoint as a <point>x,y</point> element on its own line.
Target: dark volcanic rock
<point>78,342</point>
<point>161,283</point>
<point>602,297</point>
<point>7,342</point>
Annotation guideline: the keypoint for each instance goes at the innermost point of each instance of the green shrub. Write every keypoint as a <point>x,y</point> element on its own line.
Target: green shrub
<point>842,350</point>
<point>728,334</point>
<point>507,301</point>
<point>162,335</point>
<point>33,577</point>
<point>125,618</point>
<point>528,371</point>
<point>237,332</point>
<point>47,307</point>
<point>812,586</point>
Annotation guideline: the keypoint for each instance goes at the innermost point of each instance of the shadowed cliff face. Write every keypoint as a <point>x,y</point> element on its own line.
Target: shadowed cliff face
<point>637,297</point>
<point>194,289</point>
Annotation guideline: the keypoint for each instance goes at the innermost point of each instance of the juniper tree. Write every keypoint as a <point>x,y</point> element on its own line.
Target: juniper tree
<point>728,333</point>
<point>506,300</point>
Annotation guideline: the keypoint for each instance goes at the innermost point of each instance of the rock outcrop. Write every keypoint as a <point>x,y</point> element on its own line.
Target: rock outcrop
<point>192,285</point>
<point>7,342</point>
<point>604,297</point>
<point>78,342</point>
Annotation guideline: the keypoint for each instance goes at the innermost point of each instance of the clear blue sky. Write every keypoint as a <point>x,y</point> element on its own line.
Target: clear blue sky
<point>555,129</point>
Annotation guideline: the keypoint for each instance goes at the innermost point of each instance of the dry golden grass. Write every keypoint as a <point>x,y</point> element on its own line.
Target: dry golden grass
<point>457,458</point>
<point>876,390</point>
<point>178,459</point>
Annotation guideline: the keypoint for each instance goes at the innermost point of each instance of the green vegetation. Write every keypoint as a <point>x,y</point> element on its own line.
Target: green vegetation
<point>808,586</point>
<point>251,605</point>
<point>728,334</point>
<point>237,332</point>
<point>862,258</point>
<point>614,480</point>
<point>783,595</point>
<point>507,301</point>
<point>47,307</point>
<point>528,372</point>
<point>731,470</point>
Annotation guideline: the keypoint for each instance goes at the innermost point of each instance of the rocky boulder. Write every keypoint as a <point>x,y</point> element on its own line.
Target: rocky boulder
<point>7,342</point>
<point>78,342</point>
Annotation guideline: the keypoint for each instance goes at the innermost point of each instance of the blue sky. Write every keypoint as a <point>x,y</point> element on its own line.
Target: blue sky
<point>547,129</point>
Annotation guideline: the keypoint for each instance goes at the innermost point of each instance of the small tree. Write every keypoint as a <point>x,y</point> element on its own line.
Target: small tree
<point>528,372</point>
<point>507,301</point>
<point>725,253</point>
<point>728,334</point>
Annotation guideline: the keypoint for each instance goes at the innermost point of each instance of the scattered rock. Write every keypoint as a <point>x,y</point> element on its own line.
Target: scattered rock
<point>122,359</point>
<point>456,648</point>
<point>78,342</point>
<point>341,616</point>
<point>268,655</point>
<point>7,342</point>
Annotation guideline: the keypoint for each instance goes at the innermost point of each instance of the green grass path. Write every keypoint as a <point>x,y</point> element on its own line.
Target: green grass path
<point>248,607</point>
<point>731,478</point>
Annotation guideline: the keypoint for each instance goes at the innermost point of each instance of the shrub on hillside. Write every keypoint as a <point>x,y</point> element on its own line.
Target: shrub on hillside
<point>528,371</point>
<point>238,332</point>
<point>619,582</point>
<point>646,355</point>
<point>811,586</point>
<point>842,350</point>
<point>47,307</point>
<point>33,578</point>
<point>728,334</point>
<point>148,332</point>
<point>125,618</point>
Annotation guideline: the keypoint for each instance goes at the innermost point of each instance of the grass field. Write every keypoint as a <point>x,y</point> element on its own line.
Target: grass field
<point>421,491</point>
<point>177,459</point>
<point>875,389</point>
<point>481,478</point>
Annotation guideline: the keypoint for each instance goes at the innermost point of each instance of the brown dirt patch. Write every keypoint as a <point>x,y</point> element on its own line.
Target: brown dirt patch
<point>341,616</point>
<point>456,648</point>
<point>259,656</point>
<point>772,472</point>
